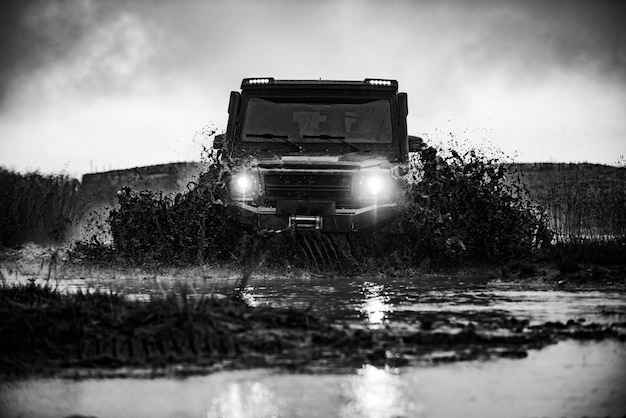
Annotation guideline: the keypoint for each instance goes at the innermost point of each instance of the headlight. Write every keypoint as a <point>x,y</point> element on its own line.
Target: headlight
<point>375,184</point>
<point>244,185</point>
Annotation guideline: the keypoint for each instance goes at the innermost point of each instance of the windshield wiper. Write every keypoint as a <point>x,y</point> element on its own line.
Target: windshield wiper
<point>273,137</point>
<point>341,139</point>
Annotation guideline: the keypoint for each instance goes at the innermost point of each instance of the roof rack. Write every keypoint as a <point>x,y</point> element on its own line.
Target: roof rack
<point>270,82</point>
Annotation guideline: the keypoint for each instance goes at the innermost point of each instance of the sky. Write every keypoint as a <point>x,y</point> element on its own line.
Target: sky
<point>88,85</point>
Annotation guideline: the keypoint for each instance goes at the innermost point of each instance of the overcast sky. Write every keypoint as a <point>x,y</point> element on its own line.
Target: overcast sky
<point>95,85</point>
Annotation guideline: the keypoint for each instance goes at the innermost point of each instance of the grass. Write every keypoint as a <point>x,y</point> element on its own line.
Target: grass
<point>37,208</point>
<point>43,328</point>
<point>589,251</point>
<point>583,201</point>
<point>46,331</point>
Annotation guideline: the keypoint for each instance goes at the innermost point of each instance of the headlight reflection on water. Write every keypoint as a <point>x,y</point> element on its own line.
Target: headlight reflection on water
<point>248,297</point>
<point>243,400</point>
<point>375,305</point>
<point>377,392</point>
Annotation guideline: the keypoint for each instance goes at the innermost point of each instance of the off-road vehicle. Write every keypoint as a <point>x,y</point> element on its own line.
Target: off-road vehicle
<point>316,154</point>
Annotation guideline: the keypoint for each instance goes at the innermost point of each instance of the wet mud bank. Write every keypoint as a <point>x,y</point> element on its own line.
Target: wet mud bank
<point>97,334</point>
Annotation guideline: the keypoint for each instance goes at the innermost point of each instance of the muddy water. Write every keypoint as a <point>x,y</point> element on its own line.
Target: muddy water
<point>570,378</point>
<point>389,302</point>
<point>376,301</point>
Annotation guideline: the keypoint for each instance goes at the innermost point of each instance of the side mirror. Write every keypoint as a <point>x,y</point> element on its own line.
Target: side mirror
<point>218,141</point>
<point>416,143</point>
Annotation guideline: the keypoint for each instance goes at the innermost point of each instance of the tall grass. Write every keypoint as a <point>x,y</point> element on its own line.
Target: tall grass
<point>582,200</point>
<point>36,207</point>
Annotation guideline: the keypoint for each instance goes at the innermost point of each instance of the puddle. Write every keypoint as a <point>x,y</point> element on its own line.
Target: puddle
<point>570,378</point>
<point>566,379</point>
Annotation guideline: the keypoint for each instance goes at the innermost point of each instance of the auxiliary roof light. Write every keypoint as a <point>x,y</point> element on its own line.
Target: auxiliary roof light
<point>379,82</point>
<point>259,81</point>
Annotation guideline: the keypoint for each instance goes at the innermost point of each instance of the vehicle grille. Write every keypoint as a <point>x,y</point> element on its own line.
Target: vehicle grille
<point>335,187</point>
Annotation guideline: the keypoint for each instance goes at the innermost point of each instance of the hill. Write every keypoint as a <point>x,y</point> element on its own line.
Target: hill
<point>101,188</point>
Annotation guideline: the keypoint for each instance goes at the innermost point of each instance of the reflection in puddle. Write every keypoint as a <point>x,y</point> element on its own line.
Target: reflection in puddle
<point>567,379</point>
<point>375,305</point>
<point>247,399</point>
<point>376,392</point>
<point>248,296</point>
<point>139,297</point>
<point>538,306</point>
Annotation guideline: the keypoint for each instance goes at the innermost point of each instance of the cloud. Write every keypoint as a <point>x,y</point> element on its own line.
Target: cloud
<point>143,76</point>
<point>36,33</point>
<point>91,56</point>
<point>99,92</point>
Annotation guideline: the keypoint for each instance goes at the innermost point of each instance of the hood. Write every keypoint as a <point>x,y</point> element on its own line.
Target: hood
<point>347,161</point>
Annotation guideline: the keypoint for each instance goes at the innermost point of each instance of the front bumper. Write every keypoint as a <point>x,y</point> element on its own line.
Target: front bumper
<point>342,220</point>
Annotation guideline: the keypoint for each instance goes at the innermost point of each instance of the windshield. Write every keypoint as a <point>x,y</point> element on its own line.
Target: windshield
<point>365,121</point>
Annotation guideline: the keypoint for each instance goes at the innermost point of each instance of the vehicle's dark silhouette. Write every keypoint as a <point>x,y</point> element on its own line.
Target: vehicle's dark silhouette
<point>316,154</point>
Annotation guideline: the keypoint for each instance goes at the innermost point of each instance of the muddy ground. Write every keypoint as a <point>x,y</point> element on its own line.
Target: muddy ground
<point>63,318</point>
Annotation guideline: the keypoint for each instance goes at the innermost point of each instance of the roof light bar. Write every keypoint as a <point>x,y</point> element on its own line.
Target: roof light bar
<point>379,82</point>
<point>258,80</point>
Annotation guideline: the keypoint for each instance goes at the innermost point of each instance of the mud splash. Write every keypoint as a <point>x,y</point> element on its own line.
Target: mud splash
<point>454,207</point>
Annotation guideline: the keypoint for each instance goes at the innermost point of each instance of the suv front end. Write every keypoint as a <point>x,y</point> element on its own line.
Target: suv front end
<point>315,155</point>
